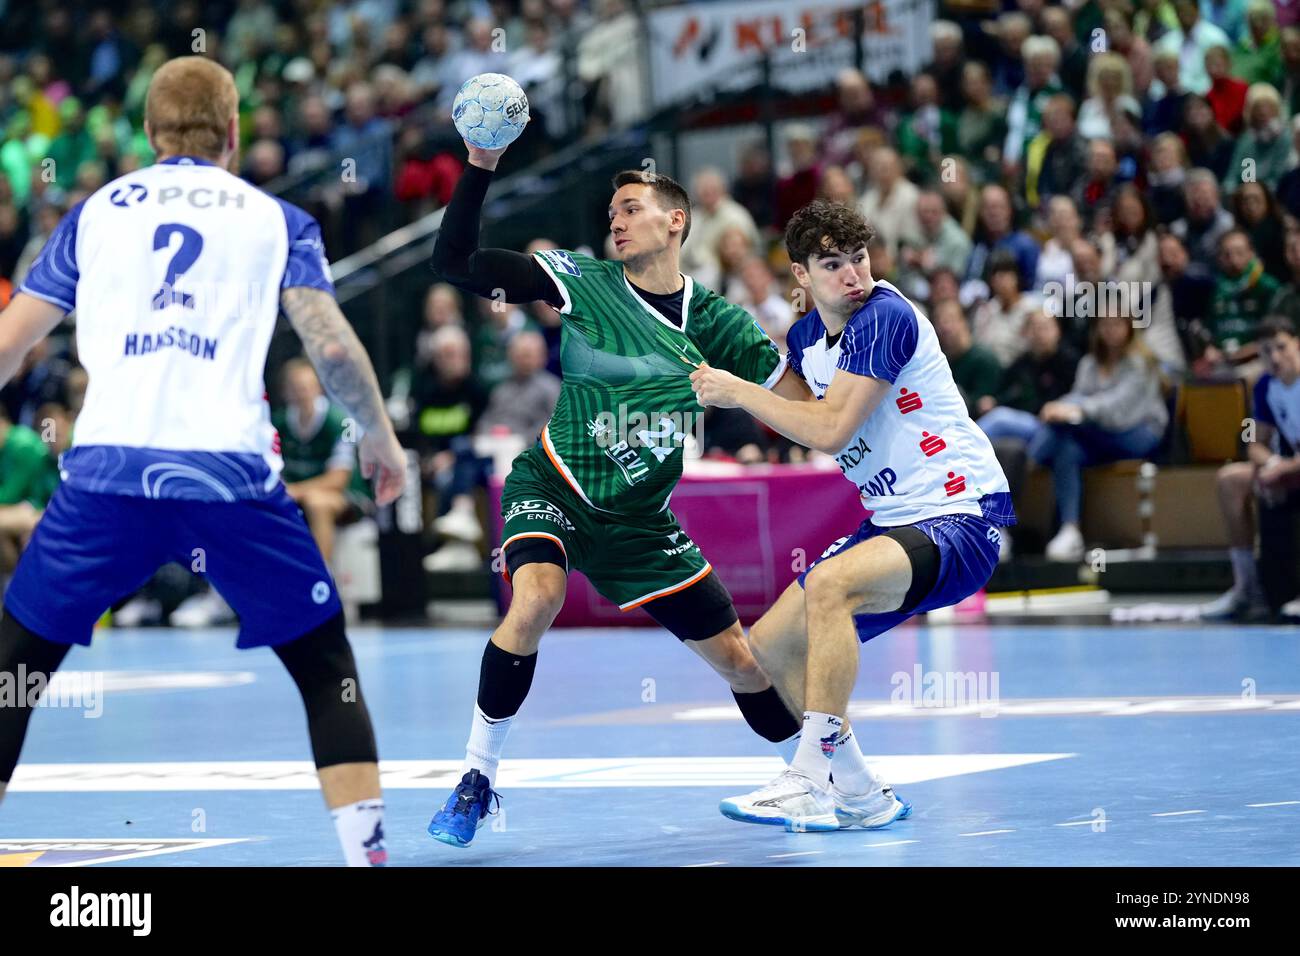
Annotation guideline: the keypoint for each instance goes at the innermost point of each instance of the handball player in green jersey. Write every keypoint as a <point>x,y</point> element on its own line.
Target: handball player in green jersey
<point>593,494</point>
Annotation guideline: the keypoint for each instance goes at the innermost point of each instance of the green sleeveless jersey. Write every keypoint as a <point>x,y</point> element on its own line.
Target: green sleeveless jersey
<point>626,405</point>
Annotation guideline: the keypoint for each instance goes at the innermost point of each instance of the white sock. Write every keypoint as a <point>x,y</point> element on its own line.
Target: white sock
<point>788,748</point>
<point>1243,570</point>
<point>817,748</point>
<point>360,827</point>
<point>852,773</point>
<point>487,738</point>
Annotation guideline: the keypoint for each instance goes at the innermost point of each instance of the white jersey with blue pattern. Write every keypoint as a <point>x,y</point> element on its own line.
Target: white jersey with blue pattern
<point>175,272</point>
<point>1278,404</point>
<point>918,455</point>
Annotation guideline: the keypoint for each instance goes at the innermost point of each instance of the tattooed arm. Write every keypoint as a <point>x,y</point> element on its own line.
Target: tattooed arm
<point>336,352</point>
<point>349,379</point>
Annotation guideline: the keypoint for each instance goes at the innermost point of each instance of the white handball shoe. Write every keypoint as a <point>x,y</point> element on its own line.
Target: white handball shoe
<point>791,800</point>
<point>868,811</point>
<point>205,609</point>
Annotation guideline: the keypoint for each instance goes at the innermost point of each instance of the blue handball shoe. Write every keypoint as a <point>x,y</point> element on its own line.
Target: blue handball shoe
<point>907,808</point>
<point>465,810</point>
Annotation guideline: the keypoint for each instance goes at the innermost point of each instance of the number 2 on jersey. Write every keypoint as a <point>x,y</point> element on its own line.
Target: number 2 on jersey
<point>181,261</point>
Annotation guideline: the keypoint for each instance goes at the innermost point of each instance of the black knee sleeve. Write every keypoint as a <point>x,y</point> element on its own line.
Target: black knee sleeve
<point>924,557</point>
<point>534,551</point>
<point>23,655</point>
<point>767,715</point>
<point>321,664</point>
<point>504,680</point>
<point>701,611</point>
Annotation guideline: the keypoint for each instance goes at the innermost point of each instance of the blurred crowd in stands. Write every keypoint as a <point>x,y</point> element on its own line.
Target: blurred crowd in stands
<point>343,105</point>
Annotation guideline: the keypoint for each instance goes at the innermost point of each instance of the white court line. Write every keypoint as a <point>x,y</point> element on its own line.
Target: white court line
<point>985,832</point>
<point>782,856</point>
<point>892,843</point>
<point>689,866</point>
<point>151,852</point>
<point>1177,813</point>
<point>1078,823</point>
<point>1279,803</point>
<point>189,776</point>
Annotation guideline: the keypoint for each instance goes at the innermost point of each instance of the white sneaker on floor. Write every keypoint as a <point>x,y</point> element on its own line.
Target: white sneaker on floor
<point>1235,605</point>
<point>1067,545</point>
<point>459,526</point>
<point>867,811</point>
<point>1224,606</point>
<point>202,610</point>
<point>1291,608</point>
<point>137,611</point>
<point>454,556</point>
<point>791,800</point>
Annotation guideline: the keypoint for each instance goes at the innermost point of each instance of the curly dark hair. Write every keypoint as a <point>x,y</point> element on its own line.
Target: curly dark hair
<point>821,227</point>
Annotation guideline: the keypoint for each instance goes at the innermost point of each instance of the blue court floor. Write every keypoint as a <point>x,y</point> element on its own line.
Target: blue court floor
<point>1018,745</point>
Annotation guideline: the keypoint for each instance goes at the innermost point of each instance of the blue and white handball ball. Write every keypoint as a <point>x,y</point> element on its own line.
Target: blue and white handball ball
<point>490,111</point>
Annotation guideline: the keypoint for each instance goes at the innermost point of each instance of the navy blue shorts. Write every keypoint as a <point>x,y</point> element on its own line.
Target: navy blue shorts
<point>91,549</point>
<point>968,554</point>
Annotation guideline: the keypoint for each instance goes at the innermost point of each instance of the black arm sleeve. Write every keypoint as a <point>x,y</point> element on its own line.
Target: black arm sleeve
<point>458,259</point>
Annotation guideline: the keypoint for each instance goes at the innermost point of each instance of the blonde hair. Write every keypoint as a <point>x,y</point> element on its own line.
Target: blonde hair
<point>1261,93</point>
<point>1109,63</point>
<point>1040,46</point>
<point>1174,140</point>
<point>189,106</point>
<point>1264,7</point>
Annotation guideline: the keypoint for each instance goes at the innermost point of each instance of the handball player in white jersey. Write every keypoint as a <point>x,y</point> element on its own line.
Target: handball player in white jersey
<point>884,404</point>
<point>177,273</point>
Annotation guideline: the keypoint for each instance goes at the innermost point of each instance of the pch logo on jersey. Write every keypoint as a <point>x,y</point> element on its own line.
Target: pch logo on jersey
<point>561,260</point>
<point>320,592</point>
<point>132,194</point>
